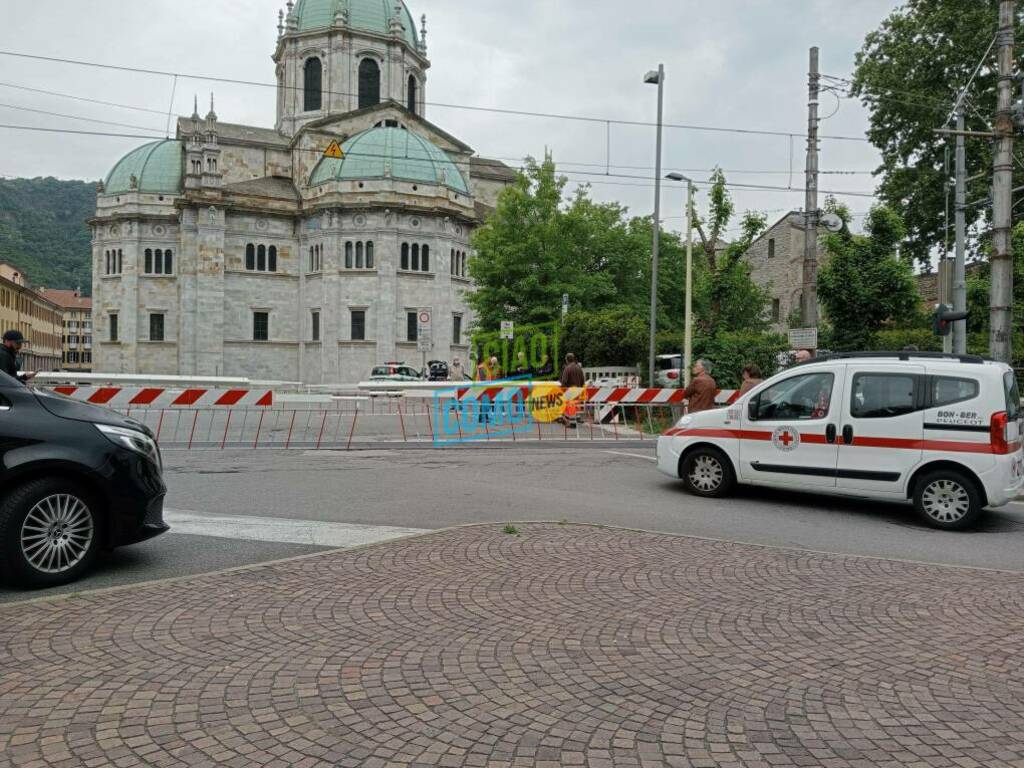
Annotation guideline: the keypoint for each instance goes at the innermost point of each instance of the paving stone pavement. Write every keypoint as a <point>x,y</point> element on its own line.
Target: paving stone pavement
<point>563,646</point>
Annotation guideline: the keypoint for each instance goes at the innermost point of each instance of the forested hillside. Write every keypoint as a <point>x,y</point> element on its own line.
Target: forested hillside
<point>43,230</point>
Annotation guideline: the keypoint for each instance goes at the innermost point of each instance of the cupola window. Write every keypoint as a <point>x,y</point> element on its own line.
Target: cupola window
<point>313,90</point>
<point>369,83</point>
<point>412,94</point>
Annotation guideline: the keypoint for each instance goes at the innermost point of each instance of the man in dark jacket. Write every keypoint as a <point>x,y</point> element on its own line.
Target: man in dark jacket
<point>572,376</point>
<point>13,341</point>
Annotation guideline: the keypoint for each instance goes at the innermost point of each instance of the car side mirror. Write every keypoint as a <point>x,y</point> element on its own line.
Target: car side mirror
<point>752,409</point>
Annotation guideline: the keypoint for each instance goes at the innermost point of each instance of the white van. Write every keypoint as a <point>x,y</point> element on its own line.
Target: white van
<point>941,430</point>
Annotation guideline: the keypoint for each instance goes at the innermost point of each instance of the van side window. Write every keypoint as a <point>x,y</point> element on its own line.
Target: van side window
<point>883,395</point>
<point>798,397</point>
<point>947,390</point>
<point>1012,395</point>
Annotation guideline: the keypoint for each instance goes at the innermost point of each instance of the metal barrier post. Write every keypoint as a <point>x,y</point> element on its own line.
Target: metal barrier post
<point>321,435</point>
<point>256,442</point>
<point>194,420</point>
<point>402,422</point>
<point>226,425</point>
<point>355,415</point>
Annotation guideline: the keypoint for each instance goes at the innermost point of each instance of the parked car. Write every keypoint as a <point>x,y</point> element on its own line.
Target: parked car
<point>75,479</point>
<point>941,431</point>
<point>668,371</point>
<point>395,372</point>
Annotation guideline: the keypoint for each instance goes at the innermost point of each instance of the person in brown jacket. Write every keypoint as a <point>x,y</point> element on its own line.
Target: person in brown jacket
<point>700,395</point>
<point>751,378</point>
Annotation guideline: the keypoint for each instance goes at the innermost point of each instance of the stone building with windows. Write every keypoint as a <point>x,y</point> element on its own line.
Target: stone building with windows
<point>37,317</point>
<point>77,331</point>
<point>776,261</point>
<point>236,250</point>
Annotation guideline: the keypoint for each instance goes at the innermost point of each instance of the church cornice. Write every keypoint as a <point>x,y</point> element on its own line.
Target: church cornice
<point>345,34</point>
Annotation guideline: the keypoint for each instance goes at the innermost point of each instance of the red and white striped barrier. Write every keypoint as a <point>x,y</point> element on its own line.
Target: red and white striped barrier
<point>596,395</point>
<point>160,397</point>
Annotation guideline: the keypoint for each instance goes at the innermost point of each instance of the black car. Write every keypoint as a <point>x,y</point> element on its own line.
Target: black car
<point>75,479</point>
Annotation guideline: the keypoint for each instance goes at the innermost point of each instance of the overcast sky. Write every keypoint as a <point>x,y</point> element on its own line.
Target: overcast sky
<point>730,63</point>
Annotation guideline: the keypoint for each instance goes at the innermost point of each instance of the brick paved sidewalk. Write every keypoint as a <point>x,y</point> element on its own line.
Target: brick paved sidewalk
<point>567,645</point>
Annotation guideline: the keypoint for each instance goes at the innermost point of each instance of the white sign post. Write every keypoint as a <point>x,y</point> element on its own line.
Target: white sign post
<point>507,327</point>
<point>565,304</point>
<point>803,338</point>
<point>424,342</point>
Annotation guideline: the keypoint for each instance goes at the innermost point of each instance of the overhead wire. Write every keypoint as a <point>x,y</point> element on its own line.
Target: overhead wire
<point>442,105</point>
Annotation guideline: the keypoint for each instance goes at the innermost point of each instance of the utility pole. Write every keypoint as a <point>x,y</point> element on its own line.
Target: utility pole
<point>1001,299</point>
<point>809,310</point>
<point>959,268</point>
<point>688,332</point>
<point>653,77</point>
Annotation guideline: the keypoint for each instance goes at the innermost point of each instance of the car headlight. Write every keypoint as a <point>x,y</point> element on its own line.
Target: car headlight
<point>131,439</point>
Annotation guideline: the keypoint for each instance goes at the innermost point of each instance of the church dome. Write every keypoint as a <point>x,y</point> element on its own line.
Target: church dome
<point>157,168</point>
<point>380,152</point>
<point>368,15</point>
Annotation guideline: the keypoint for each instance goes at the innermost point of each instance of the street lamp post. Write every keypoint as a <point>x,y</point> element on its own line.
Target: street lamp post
<point>655,78</point>
<point>688,331</point>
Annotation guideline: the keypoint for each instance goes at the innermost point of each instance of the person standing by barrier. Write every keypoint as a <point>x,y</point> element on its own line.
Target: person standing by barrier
<point>455,371</point>
<point>751,378</point>
<point>522,369</point>
<point>700,395</point>
<point>572,376</point>
<point>13,341</point>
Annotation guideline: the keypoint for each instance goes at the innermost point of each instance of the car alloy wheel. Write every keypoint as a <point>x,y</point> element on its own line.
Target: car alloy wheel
<point>706,474</point>
<point>945,501</point>
<point>57,533</point>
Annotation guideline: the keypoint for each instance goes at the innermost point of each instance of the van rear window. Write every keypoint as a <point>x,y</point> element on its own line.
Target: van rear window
<point>947,390</point>
<point>1012,395</point>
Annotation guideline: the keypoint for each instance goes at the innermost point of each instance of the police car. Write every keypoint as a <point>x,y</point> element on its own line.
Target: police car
<point>942,431</point>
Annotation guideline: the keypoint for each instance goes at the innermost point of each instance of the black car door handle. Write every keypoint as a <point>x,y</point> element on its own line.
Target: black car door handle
<point>830,433</point>
<point>848,434</point>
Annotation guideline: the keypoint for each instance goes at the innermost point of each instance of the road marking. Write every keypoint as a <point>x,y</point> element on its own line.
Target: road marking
<point>282,530</point>
<point>634,455</point>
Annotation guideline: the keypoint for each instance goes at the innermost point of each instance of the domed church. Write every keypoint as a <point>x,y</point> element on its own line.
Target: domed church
<point>304,252</point>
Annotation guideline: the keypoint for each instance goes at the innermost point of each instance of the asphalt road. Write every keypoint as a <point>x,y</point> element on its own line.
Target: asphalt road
<point>365,495</point>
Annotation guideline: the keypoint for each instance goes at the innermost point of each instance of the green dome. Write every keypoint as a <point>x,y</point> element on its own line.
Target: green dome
<point>369,15</point>
<point>410,158</point>
<point>156,168</point>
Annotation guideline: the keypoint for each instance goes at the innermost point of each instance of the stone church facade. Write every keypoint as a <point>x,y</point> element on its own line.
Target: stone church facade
<point>235,250</point>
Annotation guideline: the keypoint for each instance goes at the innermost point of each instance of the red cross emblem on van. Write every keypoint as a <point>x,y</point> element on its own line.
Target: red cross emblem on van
<point>786,439</point>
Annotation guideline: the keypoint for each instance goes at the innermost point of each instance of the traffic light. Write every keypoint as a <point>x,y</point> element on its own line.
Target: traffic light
<point>943,319</point>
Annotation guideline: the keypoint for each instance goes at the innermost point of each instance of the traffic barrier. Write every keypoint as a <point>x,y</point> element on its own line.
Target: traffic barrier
<point>159,397</point>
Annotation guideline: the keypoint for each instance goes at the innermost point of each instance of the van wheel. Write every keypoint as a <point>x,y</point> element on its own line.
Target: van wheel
<point>707,472</point>
<point>49,533</point>
<point>947,499</point>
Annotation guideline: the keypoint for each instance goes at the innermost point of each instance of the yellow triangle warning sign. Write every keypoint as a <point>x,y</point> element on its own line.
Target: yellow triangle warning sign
<point>334,151</point>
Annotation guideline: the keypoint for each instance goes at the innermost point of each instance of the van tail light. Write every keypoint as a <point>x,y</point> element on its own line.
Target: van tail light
<point>998,429</point>
<point>673,374</point>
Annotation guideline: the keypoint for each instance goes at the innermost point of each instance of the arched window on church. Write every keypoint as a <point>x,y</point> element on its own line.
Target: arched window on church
<point>313,85</point>
<point>412,94</point>
<point>415,257</point>
<point>272,259</point>
<point>158,266</point>
<point>369,254</point>
<point>359,255</point>
<point>261,259</point>
<point>405,255</point>
<point>425,259</point>
<point>168,262</point>
<point>250,257</point>
<point>348,254</point>
<point>369,83</point>
<point>149,261</point>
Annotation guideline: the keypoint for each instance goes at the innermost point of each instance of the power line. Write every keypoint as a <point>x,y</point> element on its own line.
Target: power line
<point>495,110</point>
<point>82,98</point>
<point>77,117</point>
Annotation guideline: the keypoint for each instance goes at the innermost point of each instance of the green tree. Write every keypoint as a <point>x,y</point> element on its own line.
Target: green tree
<point>534,249</point>
<point>907,74</point>
<point>865,284</point>
<point>725,296</point>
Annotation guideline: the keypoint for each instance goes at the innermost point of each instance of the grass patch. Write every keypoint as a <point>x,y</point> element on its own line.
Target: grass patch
<point>510,529</point>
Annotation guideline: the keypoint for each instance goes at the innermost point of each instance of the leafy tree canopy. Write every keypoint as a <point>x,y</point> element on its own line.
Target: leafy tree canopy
<point>865,284</point>
<point>907,74</point>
